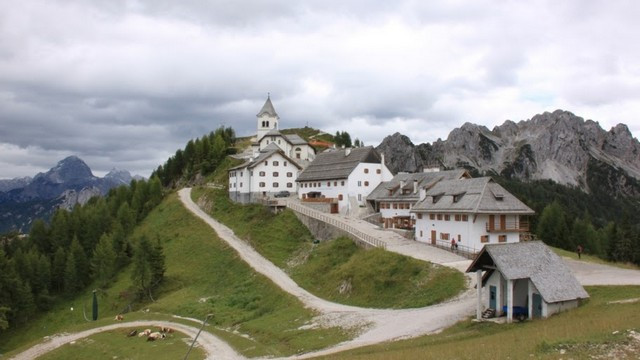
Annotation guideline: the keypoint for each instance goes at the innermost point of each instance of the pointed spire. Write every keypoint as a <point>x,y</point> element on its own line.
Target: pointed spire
<point>267,108</point>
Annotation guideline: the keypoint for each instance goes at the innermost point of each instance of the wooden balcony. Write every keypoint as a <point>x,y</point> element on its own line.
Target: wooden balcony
<point>508,226</point>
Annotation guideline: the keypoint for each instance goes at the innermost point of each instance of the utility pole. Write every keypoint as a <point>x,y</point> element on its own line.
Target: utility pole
<point>204,322</point>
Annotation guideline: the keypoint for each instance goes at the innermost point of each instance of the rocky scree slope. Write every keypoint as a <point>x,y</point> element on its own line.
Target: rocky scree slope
<point>559,146</point>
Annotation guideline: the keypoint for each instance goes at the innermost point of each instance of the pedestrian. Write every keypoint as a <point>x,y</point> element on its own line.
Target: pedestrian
<point>579,251</point>
<point>453,244</point>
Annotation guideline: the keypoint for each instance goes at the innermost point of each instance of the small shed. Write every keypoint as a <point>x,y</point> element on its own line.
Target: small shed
<point>525,278</point>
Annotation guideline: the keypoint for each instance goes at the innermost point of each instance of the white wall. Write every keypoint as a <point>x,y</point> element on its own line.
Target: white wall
<point>354,191</point>
<point>306,151</point>
<point>470,231</point>
<point>248,180</point>
<point>549,309</point>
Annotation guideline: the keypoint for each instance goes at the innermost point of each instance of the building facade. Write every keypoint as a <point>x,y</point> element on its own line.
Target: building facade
<point>473,212</point>
<point>343,177</point>
<point>394,199</point>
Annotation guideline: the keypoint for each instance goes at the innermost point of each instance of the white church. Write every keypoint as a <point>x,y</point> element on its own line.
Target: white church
<point>274,164</point>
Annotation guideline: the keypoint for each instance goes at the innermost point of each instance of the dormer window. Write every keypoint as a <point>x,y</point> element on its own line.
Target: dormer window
<point>457,197</point>
<point>437,197</point>
<point>498,196</point>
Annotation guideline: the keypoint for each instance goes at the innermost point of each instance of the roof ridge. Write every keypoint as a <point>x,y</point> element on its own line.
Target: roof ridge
<point>484,188</point>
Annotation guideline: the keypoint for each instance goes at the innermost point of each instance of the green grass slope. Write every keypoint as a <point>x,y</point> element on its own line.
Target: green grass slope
<point>115,344</point>
<point>597,330</point>
<point>335,270</point>
<point>203,276</point>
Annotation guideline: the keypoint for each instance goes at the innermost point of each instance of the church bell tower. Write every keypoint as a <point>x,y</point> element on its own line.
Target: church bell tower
<point>267,119</point>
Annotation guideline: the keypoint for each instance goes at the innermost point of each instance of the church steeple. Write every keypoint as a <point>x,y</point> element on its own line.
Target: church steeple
<point>267,118</point>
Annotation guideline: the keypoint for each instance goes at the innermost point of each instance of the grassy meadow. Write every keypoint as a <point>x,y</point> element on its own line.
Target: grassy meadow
<point>350,275</point>
<point>597,328</point>
<point>203,276</point>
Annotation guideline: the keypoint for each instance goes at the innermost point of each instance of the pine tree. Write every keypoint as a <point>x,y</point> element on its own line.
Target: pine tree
<point>141,274</point>
<point>81,262</point>
<point>103,263</point>
<point>58,270</point>
<point>39,236</point>
<point>71,278</point>
<point>157,263</point>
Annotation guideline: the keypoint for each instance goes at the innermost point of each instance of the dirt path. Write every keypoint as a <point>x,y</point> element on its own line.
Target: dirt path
<point>383,325</point>
<point>213,347</point>
<point>597,274</point>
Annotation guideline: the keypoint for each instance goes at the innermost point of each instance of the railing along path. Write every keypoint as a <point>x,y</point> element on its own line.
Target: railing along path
<point>318,215</point>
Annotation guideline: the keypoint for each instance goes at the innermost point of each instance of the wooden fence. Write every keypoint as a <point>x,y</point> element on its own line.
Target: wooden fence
<point>315,214</point>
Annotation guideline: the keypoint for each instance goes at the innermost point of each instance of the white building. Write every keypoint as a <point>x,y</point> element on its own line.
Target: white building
<point>473,212</point>
<point>343,177</point>
<point>394,199</point>
<point>274,164</point>
<point>524,280</point>
<point>271,172</point>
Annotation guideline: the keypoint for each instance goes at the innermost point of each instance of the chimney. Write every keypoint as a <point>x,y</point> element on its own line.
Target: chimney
<point>431,170</point>
<point>423,194</point>
<point>415,186</point>
<point>401,185</point>
<point>382,158</point>
<point>347,151</point>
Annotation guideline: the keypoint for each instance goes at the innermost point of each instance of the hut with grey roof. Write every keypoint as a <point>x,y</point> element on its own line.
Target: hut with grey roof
<point>524,280</point>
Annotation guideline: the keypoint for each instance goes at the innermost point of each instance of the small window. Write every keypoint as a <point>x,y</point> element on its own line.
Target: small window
<point>359,183</point>
<point>266,163</point>
<point>289,174</point>
<point>378,171</point>
<point>465,217</point>
<point>444,236</point>
<point>502,238</point>
<point>432,216</point>
<point>251,173</point>
<point>275,185</point>
<point>284,163</point>
<point>366,183</point>
<point>275,174</point>
<point>439,216</point>
<point>335,183</point>
<point>262,173</point>
<point>457,217</point>
<point>359,197</point>
<point>278,141</point>
<point>447,217</point>
<point>340,197</point>
<point>275,163</point>
<point>289,185</point>
<point>366,171</point>
<point>419,216</point>
<point>420,233</point>
<point>328,183</point>
<point>484,238</point>
<point>395,205</point>
<point>240,184</point>
<point>342,183</point>
<point>241,174</point>
<point>261,184</point>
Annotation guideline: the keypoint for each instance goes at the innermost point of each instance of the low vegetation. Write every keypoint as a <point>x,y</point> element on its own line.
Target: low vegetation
<point>115,344</point>
<point>350,275</point>
<point>203,276</point>
<point>598,329</point>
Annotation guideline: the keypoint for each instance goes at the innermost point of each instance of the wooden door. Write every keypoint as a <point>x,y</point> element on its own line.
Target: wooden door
<point>503,222</point>
<point>433,237</point>
<point>492,222</point>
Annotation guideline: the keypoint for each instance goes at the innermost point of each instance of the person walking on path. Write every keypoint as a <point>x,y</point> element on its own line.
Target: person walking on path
<point>453,244</point>
<point>579,251</point>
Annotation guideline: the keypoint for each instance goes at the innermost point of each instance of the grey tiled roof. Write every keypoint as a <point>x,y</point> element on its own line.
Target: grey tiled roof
<point>533,260</point>
<point>478,195</point>
<point>425,180</point>
<point>268,109</point>
<point>295,139</point>
<point>336,165</point>
<point>264,155</point>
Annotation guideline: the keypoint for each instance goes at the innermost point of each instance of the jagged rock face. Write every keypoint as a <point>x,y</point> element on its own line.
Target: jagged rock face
<point>399,153</point>
<point>10,184</point>
<point>68,183</point>
<point>557,146</point>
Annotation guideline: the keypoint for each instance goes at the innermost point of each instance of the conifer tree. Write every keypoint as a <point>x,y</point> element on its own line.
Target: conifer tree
<point>103,263</point>
<point>71,278</point>
<point>58,270</point>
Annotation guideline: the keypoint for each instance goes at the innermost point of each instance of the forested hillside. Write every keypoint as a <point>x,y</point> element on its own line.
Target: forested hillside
<point>85,246</point>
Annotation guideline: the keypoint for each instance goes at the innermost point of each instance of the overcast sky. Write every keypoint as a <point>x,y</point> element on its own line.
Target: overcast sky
<point>126,83</point>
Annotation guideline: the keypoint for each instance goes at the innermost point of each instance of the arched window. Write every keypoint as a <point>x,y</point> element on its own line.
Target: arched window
<point>298,152</point>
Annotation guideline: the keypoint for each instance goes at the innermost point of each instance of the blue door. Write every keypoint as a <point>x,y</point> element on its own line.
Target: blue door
<point>536,305</point>
<point>492,297</point>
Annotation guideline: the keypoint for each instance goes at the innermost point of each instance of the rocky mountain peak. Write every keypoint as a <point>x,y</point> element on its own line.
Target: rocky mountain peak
<point>69,169</point>
<point>120,176</point>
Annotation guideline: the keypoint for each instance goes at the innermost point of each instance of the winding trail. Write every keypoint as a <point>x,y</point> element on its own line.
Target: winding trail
<point>381,324</point>
<point>213,347</point>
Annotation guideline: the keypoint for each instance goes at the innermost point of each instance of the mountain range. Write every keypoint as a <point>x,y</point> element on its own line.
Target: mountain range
<point>68,183</point>
<point>558,146</point>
